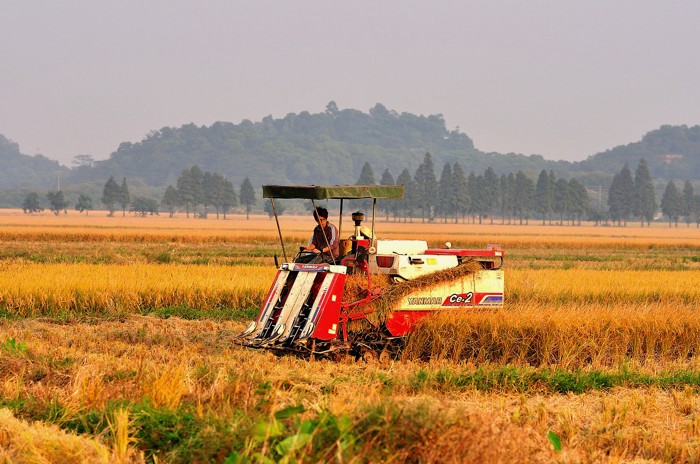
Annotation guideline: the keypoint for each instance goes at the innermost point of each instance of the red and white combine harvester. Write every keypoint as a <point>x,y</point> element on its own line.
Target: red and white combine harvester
<point>320,310</point>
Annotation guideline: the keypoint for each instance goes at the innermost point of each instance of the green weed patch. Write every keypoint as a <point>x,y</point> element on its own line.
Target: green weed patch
<point>528,380</point>
<point>188,313</point>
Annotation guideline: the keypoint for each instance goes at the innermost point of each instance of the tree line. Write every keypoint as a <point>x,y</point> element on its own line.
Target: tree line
<point>475,197</point>
<point>686,204</point>
<point>635,198</point>
<point>195,188</point>
<point>516,198</point>
<point>454,196</point>
<point>195,193</point>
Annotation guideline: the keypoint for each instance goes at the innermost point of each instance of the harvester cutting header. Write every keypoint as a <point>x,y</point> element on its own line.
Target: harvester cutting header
<point>367,300</point>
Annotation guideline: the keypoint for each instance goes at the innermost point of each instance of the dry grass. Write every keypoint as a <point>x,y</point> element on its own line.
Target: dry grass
<point>109,362</point>
<point>37,443</point>
<point>414,423</point>
<point>168,388</point>
<point>119,426</point>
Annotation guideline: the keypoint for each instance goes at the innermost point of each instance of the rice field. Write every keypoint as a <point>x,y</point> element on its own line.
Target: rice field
<point>116,346</point>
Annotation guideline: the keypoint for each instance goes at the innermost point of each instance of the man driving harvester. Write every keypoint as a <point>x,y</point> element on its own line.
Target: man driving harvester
<point>324,240</point>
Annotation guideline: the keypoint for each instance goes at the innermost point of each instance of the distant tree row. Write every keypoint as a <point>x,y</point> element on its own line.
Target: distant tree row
<point>515,197</point>
<point>630,197</point>
<point>194,189</point>
<point>114,194</point>
<point>455,196</point>
<point>57,203</point>
<point>686,204</point>
<point>208,190</point>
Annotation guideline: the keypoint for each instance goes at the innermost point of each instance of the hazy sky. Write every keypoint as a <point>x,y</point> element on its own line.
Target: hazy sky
<point>562,79</point>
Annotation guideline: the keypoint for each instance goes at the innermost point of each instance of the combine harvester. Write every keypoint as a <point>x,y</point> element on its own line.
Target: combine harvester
<point>317,309</point>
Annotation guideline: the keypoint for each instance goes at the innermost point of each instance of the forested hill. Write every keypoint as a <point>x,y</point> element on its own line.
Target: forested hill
<point>671,152</point>
<point>331,147</point>
<point>18,170</point>
<point>327,147</point>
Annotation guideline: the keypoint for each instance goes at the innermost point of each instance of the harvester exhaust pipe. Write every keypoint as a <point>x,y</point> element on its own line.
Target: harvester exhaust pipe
<point>358,217</point>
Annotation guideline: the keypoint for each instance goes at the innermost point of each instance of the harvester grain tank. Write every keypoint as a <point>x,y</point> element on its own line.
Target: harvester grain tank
<point>319,309</point>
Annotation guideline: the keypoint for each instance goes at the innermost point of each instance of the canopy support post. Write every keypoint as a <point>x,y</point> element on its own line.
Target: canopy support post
<point>279,230</point>
<point>340,220</point>
<point>374,214</point>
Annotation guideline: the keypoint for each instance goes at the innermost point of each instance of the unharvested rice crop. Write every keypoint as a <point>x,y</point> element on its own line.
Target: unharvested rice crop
<point>574,318</point>
<point>604,287</point>
<point>568,336</point>
<point>77,290</point>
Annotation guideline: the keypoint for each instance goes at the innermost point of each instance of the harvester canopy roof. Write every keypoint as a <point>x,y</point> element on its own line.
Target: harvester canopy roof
<point>337,192</point>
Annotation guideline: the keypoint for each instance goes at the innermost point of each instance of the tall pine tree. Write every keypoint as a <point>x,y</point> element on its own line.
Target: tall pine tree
<point>247,196</point>
<point>170,200</point>
<point>460,192</point>
<point>406,205</point>
<point>671,203</point>
<point>110,195</point>
<point>491,188</point>
<point>366,175</point>
<point>578,200</point>
<point>366,178</point>
<point>562,199</point>
<point>124,197</point>
<point>444,207</point>
<point>389,206</point>
<point>525,198</point>
<point>228,200</point>
<point>688,202</point>
<point>543,196</point>
<point>644,196</point>
<point>621,196</point>
<point>426,187</point>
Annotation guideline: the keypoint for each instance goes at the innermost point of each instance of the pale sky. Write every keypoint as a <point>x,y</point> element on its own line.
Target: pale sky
<point>562,79</point>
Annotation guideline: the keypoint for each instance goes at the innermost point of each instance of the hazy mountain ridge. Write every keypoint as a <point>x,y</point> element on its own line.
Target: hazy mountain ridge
<point>331,147</point>
<point>672,152</point>
<point>23,171</point>
<point>328,147</point>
